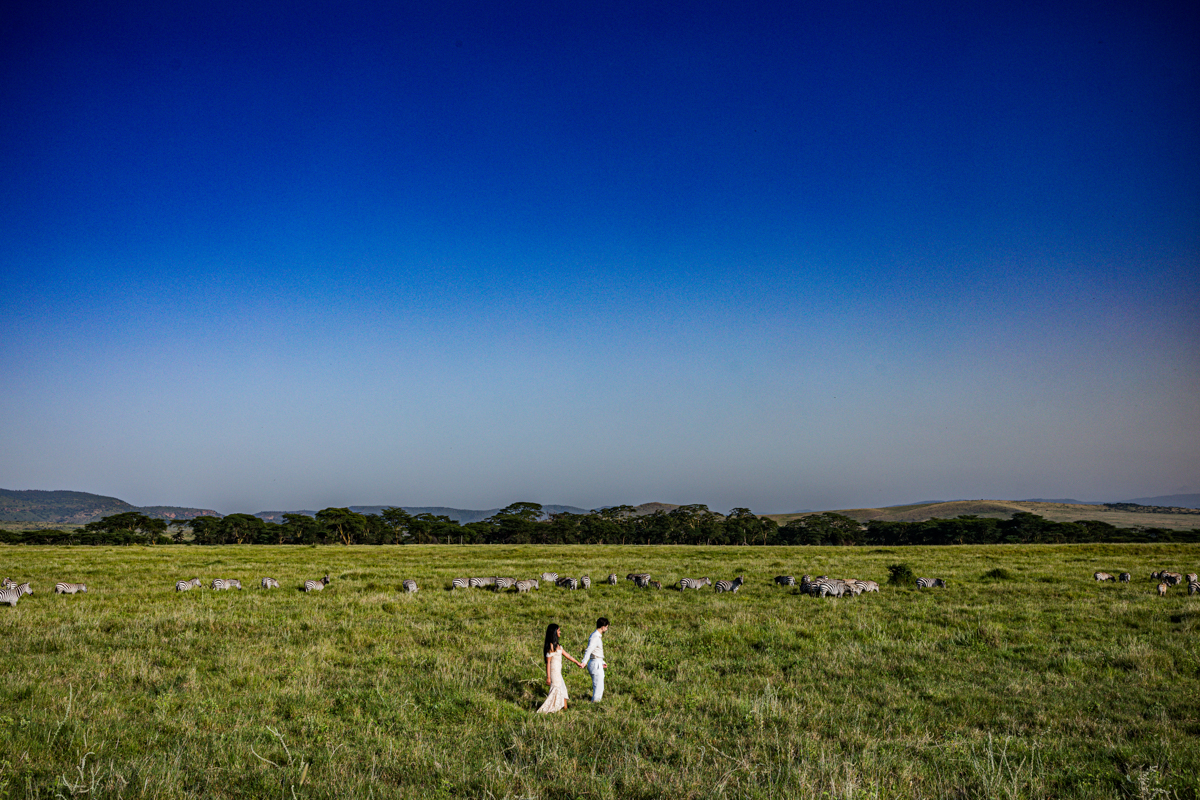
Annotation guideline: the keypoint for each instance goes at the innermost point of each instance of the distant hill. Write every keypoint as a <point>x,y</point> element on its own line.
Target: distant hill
<point>1169,501</point>
<point>78,508</point>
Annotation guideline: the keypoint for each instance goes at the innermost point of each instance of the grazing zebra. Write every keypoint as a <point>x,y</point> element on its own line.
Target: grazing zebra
<point>221,584</point>
<point>636,576</point>
<point>505,583</point>
<point>1126,577</point>
<point>459,583</point>
<point>476,583</point>
<point>585,582</point>
<point>1162,589</point>
<point>1193,587</point>
<point>525,586</point>
<point>1103,576</point>
<point>655,584</point>
<point>855,586</point>
<point>693,583</point>
<point>785,580</point>
<point>7,583</point>
<point>823,586</point>
<point>730,586</point>
<point>184,586</point>
<point>410,586</point>
<point>70,588</point>
<point>1192,578</point>
<point>928,583</point>
<point>870,586</point>
<point>612,579</point>
<point>315,586</point>
<point>550,577</point>
<point>641,582</point>
<point>10,596</point>
<point>568,583</point>
<point>269,583</point>
<point>23,588</point>
<point>1172,578</point>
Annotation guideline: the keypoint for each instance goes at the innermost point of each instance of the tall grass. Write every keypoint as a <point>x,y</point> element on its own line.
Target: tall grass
<point>1040,684</point>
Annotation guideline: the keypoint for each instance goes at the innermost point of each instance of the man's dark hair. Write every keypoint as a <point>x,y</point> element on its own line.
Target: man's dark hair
<point>600,623</point>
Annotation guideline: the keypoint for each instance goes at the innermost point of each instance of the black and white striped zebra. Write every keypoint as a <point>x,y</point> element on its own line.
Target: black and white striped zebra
<point>1103,576</point>
<point>460,583</point>
<point>70,588</point>
<point>505,583</point>
<point>1193,588</point>
<point>477,583</point>
<point>10,596</point>
<point>823,586</point>
<point>641,581</point>
<point>1192,577</point>
<point>1172,578</point>
<point>730,586</point>
<point>929,583</point>
<point>269,583</point>
<point>550,577</point>
<point>612,579</point>
<point>638,578</point>
<point>568,583</point>
<point>224,584</point>
<point>785,580</point>
<point>693,583</point>
<point>315,586</point>
<point>870,586</point>
<point>410,586</point>
<point>23,589</point>
<point>185,586</point>
<point>525,586</point>
<point>1125,577</point>
<point>585,582</point>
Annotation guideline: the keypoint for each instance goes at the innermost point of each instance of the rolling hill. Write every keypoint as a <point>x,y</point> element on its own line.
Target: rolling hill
<point>77,508</point>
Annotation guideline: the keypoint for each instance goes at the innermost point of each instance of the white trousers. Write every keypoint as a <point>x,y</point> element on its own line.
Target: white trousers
<point>596,667</point>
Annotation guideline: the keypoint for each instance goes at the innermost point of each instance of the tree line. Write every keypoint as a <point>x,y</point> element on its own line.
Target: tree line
<point>525,523</point>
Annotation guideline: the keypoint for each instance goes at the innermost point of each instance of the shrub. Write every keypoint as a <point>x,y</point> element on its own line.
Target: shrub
<point>901,575</point>
<point>998,574</point>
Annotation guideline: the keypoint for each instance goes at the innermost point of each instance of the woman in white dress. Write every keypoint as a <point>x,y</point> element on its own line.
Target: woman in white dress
<point>554,653</point>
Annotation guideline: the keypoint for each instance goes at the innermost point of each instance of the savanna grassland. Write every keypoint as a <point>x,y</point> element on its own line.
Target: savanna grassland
<point>1023,678</point>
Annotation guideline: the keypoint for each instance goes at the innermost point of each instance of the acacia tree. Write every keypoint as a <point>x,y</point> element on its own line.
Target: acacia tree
<point>397,521</point>
<point>130,522</point>
<point>343,523</point>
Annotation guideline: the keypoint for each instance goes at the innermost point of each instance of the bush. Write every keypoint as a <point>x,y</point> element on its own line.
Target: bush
<point>998,574</point>
<point>901,575</point>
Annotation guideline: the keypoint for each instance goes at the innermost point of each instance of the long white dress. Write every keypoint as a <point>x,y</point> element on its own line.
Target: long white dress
<point>557,699</point>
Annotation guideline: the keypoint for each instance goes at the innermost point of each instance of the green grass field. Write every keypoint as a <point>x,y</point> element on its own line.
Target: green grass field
<point>1044,684</point>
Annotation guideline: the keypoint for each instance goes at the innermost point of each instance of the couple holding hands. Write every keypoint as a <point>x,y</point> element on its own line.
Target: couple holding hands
<point>593,662</point>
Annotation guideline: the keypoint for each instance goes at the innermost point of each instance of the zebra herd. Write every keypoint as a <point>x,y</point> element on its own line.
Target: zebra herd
<point>11,591</point>
<point>225,584</point>
<point>641,580</point>
<point>1166,579</point>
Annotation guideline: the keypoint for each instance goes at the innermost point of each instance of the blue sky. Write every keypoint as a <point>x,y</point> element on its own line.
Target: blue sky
<point>273,256</point>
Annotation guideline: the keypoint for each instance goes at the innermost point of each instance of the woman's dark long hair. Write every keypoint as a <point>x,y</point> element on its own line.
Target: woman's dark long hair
<point>551,639</point>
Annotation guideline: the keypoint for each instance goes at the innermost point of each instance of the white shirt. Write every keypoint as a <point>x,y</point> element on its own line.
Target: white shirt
<point>595,649</point>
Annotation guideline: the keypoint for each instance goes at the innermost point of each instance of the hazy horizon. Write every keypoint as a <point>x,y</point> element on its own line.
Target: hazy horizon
<point>267,257</point>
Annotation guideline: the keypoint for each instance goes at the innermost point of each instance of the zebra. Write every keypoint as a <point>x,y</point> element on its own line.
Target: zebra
<point>1103,576</point>
<point>223,584</point>
<point>870,586</point>
<point>928,583</point>
<point>269,583</point>
<point>8,583</point>
<point>1172,578</point>
<point>459,583</point>
<point>1126,577</point>
<point>315,586</point>
<point>1191,577</point>
<point>525,586</point>
<point>410,586</point>
<point>612,579</point>
<point>827,587</point>
<point>505,583</point>
<point>693,583</point>
<point>640,581</point>
<point>550,577</point>
<point>655,584</point>
<point>184,586</point>
<point>730,586</point>
<point>10,596</point>
<point>1162,590</point>
<point>1193,587</point>
<point>635,576</point>
<point>585,582</point>
<point>568,583</point>
<point>23,588</point>
<point>70,588</point>
<point>785,580</point>
<point>475,583</point>
<point>855,586</point>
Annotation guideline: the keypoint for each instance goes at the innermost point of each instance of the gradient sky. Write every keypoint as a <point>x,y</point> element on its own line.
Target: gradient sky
<point>308,254</point>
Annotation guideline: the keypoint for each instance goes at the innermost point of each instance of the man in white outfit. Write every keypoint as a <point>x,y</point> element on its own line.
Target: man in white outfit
<point>593,659</point>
